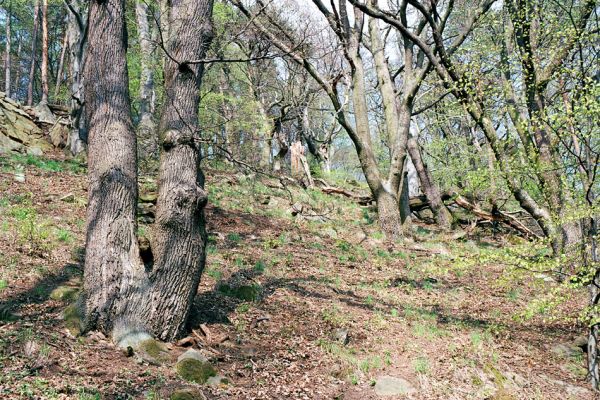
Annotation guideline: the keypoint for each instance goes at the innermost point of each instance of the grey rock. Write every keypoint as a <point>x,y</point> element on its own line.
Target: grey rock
<point>341,335</point>
<point>35,151</point>
<point>193,354</point>
<point>217,381</point>
<point>393,386</point>
<point>19,176</point>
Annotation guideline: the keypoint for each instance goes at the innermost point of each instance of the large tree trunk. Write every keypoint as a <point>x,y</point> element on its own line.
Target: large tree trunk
<point>7,51</point>
<point>123,294</point>
<point>146,129</point>
<point>45,52</point>
<point>34,40</point>
<point>114,273</point>
<point>179,235</point>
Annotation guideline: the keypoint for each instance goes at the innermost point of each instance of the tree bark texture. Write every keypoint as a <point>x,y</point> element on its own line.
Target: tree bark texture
<point>146,129</point>
<point>114,273</point>
<point>179,236</point>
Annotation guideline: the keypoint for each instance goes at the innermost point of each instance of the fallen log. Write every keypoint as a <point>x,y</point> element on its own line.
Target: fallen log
<point>497,216</point>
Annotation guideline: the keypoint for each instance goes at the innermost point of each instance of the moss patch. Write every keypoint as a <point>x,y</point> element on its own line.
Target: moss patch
<point>65,293</point>
<point>194,370</point>
<point>187,394</point>
<point>73,319</point>
<point>244,292</point>
<point>153,351</point>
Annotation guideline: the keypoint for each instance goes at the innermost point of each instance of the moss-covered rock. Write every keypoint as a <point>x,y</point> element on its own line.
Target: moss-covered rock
<point>242,292</point>
<point>65,293</point>
<point>194,370</point>
<point>73,318</point>
<point>187,394</point>
<point>153,352</point>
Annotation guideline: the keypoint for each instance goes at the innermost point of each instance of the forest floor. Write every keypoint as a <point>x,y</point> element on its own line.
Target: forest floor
<point>332,309</point>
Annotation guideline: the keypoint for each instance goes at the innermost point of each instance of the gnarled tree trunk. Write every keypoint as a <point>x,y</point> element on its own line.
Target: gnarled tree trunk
<point>179,235</point>
<point>124,295</point>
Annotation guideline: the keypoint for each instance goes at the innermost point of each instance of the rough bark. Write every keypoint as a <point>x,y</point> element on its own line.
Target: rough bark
<point>146,129</point>
<point>7,63</point>
<point>34,40</point>
<point>76,26</point>
<point>114,273</point>
<point>45,52</point>
<point>179,235</point>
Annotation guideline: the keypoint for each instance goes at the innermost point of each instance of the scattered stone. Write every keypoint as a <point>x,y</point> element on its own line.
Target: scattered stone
<point>19,176</point>
<point>332,233</point>
<point>193,354</point>
<point>393,386</point>
<point>217,380</point>
<point>194,370</point>
<point>133,339</point>
<point>341,335</point>
<point>35,151</point>
<point>68,198</point>
<point>30,348</point>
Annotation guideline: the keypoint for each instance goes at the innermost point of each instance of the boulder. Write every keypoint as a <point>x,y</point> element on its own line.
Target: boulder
<point>193,370</point>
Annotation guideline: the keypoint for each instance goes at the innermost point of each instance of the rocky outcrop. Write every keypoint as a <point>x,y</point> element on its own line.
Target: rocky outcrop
<point>23,130</point>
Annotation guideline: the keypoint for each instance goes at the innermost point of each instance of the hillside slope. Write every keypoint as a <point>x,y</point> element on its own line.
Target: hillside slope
<point>311,306</point>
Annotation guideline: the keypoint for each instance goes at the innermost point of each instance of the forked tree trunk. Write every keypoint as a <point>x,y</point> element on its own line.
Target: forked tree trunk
<point>36,17</point>
<point>124,295</point>
<point>113,270</point>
